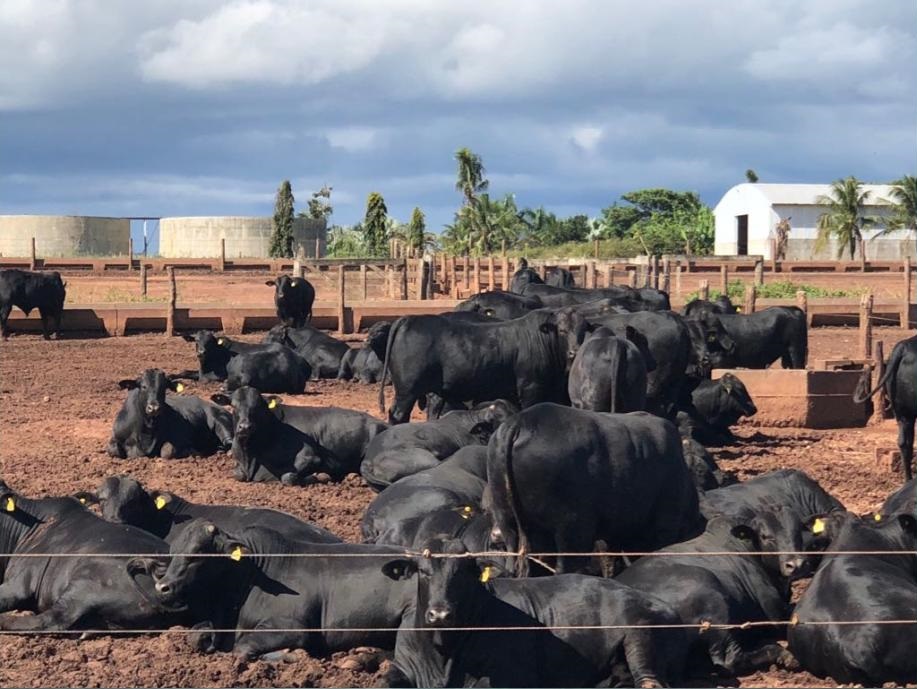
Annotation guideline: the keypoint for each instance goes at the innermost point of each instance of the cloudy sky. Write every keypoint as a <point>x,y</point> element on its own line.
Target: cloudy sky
<point>201,107</point>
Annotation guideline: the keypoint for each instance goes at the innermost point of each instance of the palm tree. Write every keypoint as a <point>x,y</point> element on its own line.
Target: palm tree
<point>904,198</point>
<point>751,176</point>
<point>375,224</point>
<point>470,177</point>
<point>844,219</point>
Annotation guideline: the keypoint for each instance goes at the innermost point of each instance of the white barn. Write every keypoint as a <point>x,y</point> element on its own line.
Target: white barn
<point>747,216</point>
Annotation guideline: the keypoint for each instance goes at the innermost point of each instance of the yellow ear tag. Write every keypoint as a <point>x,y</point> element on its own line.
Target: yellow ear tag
<point>82,501</point>
<point>485,574</point>
<point>160,502</point>
<point>220,341</point>
<point>292,283</point>
<point>466,512</point>
<point>10,505</point>
<point>179,388</point>
<point>818,526</point>
<point>272,404</point>
<point>877,517</point>
<point>236,554</point>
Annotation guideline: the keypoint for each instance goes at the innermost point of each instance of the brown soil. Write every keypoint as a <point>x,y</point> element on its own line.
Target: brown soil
<point>57,403</point>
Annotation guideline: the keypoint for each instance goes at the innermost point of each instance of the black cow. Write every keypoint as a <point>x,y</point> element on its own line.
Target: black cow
<point>763,337</point>
<point>559,277</point>
<point>709,339</point>
<point>293,298</point>
<point>870,589</point>
<point>524,360</point>
<point>323,352</point>
<point>273,369</point>
<point>524,276</point>
<point>716,405</point>
<point>902,500</point>
<point>365,363</point>
<point>45,291</point>
<point>457,482</point>
<point>642,299</point>
<point>724,589</point>
<point>900,382</point>
<point>560,479</point>
<point>100,587</point>
<point>454,592</point>
<point>503,306</point>
<point>698,308</point>
<point>247,592</point>
<point>273,441</point>
<point>165,515</point>
<point>609,372</point>
<point>214,353</point>
<point>670,344</point>
<point>785,489</point>
<point>408,448</point>
<point>151,425</point>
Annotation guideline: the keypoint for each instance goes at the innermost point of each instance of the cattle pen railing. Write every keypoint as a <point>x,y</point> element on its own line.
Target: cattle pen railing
<point>702,626</point>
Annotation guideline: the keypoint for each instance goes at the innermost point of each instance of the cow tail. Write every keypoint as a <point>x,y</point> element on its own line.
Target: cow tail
<point>514,536</point>
<point>388,351</point>
<point>891,371</point>
<point>616,377</point>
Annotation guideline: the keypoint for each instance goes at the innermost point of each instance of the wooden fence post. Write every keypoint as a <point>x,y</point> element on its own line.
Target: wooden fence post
<point>655,264</point>
<point>466,272</point>
<point>363,281</point>
<point>504,270</point>
<point>881,401</point>
<point>318,248</point>
<point>759,273</point>
<point>442,273</point>
<point>421,292</point>
<point>866,325</point>
<point>666,275</point>
<point>476,285</point>
<point>342,314</point>
<point>862,248</point>
<point>724,279</point>
<point>130,253</point>
<point>32,258</point>
<point>906,305</point>
<point>143,277</point>
<point>589,275</point>
<point>609,275</point>
<point>802,301</point>
<point>704,291</point>
<point>678,272</point>
<point>750,297</point>
<point>404,279</point>
<point>491,270</point>
<point>222,266</point>
<point>632,277</point>
<point>170,307</point>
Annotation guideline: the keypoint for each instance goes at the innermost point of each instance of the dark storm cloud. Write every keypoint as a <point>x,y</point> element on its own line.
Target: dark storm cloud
<point>202,107</point>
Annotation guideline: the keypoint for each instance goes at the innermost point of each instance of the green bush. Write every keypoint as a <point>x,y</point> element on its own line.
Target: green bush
<point>782,289</point>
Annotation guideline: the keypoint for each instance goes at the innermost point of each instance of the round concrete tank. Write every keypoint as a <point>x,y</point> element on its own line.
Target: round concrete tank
<point>59,236</point>
<point>246,237</point>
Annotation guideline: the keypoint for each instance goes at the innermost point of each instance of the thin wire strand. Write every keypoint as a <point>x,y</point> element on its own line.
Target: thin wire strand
<point>701,626</point>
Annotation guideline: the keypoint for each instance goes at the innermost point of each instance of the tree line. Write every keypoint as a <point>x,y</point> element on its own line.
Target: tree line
<point>645,221</point>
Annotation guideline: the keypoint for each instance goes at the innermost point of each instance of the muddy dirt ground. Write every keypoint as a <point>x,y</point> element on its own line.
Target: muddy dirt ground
<point>58,401</point>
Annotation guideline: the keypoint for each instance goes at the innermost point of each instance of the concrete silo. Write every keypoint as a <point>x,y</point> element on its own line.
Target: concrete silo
<point>246,237</point>
<point>60,236</point>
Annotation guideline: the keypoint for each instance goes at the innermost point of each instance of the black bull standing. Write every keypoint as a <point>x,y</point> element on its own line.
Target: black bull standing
<point>27,290</point>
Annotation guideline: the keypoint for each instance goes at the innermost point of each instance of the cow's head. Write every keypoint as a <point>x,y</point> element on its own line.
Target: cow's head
<point>449,582</point>
<point>151,387</point>
<point>123,501</point>
<point>777,530</point>
<point>285,286</point>
<point>205,342</point>
<point>570,327</point>
<point>723,304</point>
<point>252,413</point>
<point>187,567</point>
<point>489,416</point>
<point>715,336</point>
<point>737,402</point>
<point>377,338</point>
<point>279,334</point>
<point>704,470</point>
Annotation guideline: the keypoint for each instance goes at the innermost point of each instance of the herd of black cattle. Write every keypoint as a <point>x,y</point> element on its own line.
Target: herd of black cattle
<point>556,521</point>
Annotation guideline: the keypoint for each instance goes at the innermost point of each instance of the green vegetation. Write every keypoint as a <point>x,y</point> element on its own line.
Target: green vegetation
<point>904,196</point>
<point>282,222</point>
<point>782,289</point>
<point>376,225</point>
<point>844,218</point>
<point>320,207</point>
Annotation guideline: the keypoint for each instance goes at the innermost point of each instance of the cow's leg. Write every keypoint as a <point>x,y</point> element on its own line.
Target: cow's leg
<point>64,614</point>
<point>906,445</point>
<point>13,595</point>
<point>400,411</point>
<point>574,536</point>
<point>638,650</point>
<point>4,316</point>
<point>114,449</point>
<point>727,653</point>
<point>256,644</point>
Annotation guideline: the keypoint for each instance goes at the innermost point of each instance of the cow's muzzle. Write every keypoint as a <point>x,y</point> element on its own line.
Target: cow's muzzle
<point>153,409</point>
<point>438,616</point>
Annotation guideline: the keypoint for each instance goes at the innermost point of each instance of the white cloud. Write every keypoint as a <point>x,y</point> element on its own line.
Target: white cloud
<point>353,139</point>
<point>587,137</point>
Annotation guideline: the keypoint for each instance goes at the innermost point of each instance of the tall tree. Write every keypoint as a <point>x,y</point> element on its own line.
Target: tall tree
<point>751,175</point>
<point>844,217</point>
<point>470,181</point>
<point>320,207</point>
<point>417,231</point>
<point>375,224</point>
<point>904,196</point>
<point>282,223</point>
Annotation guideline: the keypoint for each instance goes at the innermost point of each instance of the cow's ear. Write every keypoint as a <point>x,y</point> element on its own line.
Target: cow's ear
<point>222,399</point>
<point>548,327</point>
<point>482,431</point>
<point>275,404</point>
<point>270,283</point>
<point>176,386</point>
<point>145,565</point>
<point>490,313</point>
<point>908,523</point>
<point>86,497</point>
<point>744,532</point>
<point>399,569</point>
<point>129,384</point>
<point>188,338</point>
<point>161,499</point>
<point>822,526</point>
